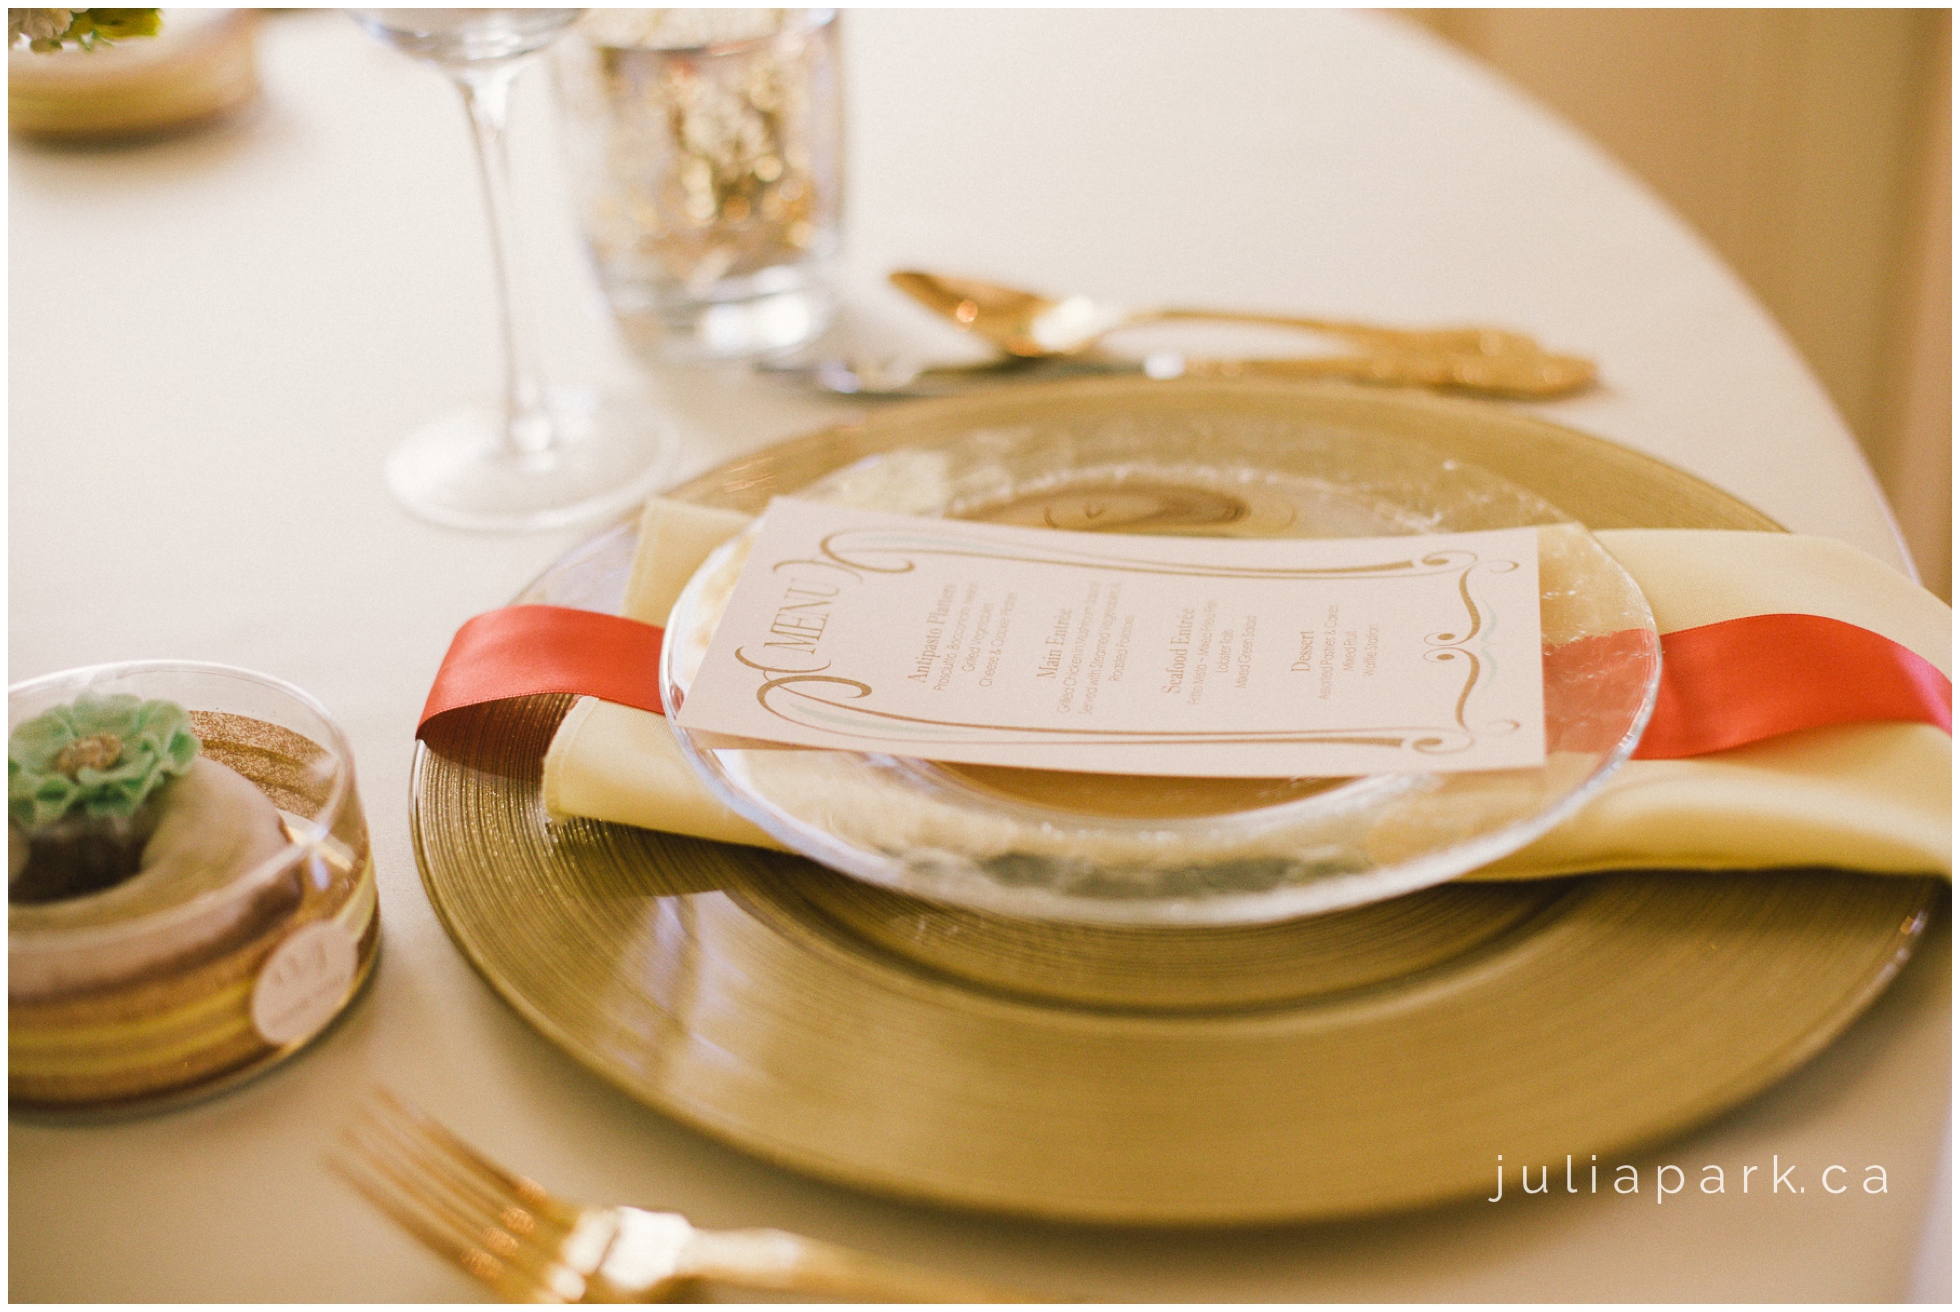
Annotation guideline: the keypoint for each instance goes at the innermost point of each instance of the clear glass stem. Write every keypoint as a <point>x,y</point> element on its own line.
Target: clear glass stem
<point>528,429</point>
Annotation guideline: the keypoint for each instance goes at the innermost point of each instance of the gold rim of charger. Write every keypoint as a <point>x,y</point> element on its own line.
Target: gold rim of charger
<point>1364,1061</point>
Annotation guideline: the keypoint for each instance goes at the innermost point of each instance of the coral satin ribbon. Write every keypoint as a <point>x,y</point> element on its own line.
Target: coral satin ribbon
<point>1743,680</point>
<point>1722,685</point>
<point>520,651</point>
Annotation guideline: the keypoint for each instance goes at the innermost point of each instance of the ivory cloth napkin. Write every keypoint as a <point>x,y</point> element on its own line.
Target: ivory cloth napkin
<point>1871,797</point>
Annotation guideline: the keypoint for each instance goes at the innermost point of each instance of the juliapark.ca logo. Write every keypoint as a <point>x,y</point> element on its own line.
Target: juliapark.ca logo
<point>1663,1182</point>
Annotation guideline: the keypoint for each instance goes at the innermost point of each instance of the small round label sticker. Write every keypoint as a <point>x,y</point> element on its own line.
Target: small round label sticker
<point>303,983</point>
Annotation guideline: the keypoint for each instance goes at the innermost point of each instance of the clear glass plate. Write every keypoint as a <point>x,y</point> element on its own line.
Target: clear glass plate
<point>1133,850</point>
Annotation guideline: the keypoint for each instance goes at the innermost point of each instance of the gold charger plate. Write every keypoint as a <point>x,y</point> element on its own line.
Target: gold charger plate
<point>1362,1061</point>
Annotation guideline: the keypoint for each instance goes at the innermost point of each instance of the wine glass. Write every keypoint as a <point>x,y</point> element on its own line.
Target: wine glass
<point>547,456</point>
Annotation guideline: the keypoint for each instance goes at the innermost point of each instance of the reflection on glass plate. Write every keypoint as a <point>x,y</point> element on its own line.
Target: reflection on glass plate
<point>1119,849</point>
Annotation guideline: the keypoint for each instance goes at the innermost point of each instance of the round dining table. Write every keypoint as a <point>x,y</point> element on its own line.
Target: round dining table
<point>216,338</point>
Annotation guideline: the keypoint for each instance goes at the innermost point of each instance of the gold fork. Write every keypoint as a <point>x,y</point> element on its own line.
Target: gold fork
<point>530,1246</point>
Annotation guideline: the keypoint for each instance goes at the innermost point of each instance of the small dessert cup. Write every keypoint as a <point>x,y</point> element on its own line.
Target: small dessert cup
<point>190,893</point>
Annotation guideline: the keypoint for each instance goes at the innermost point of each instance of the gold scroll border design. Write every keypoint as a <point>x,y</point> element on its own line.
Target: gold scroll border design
<point>1427,739</point>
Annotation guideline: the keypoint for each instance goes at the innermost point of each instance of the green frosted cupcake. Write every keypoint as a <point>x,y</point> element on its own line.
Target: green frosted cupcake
<point>85,786</point>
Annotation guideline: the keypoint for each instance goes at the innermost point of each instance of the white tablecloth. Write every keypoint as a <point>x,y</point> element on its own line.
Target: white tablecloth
<point>215,339</point>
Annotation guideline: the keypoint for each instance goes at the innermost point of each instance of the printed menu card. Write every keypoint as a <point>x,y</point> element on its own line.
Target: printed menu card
<point>998,645</point>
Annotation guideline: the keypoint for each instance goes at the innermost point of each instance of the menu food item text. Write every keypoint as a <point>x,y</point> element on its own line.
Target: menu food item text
<point>998,645</point>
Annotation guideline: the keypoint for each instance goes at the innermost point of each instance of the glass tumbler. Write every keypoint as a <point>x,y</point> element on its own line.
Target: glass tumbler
<point>706,155</point>
<point>215,962</point>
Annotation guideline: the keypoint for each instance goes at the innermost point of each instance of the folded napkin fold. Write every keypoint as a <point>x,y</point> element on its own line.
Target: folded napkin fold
<point>1861,796</point>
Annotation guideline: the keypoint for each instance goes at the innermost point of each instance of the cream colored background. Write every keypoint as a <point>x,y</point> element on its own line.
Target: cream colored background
<point>1813,149</point>
<point>280,300</point>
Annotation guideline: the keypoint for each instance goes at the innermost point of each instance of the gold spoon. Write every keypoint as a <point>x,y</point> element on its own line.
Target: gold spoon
<point>1032,326</point>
